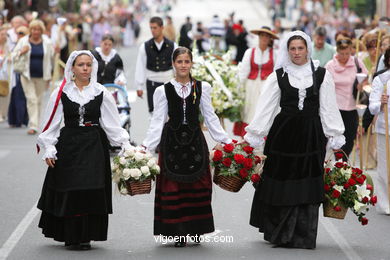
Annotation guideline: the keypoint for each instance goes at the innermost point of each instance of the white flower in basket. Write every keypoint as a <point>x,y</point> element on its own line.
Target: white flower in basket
<point>133,166</point>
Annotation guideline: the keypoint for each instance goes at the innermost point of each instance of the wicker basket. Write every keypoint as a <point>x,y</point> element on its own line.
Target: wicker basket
<point>331,213</point>
<point>139,187</point>
<point>229,183</point>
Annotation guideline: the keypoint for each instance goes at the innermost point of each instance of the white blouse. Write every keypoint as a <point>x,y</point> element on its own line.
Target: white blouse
<point>119,74</point>
<point>109,119</point>
<point>268,107</point>
<point>160,114</point>
<point>259,59</point>
<point>375,100</point>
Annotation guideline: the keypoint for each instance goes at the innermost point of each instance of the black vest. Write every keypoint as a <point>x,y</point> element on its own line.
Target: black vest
<point>159,60</point>
<point>183,146</point>
<point>107,72</point>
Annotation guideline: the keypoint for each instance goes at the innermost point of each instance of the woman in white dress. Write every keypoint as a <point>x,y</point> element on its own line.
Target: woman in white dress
<point>257,64</point>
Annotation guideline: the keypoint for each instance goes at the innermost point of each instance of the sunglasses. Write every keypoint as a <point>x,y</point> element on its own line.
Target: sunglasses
<point>21,33</point>
<point>341,42</point>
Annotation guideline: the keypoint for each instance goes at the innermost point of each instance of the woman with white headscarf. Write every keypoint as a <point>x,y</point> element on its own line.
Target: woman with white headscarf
<point>76,194</point>
<point>298,114</point>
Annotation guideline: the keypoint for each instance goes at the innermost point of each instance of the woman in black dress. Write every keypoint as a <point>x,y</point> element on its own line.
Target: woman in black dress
<point>76,194</point>
<point>297,111</point>
<point>183,190</point>
<point>110,68</point>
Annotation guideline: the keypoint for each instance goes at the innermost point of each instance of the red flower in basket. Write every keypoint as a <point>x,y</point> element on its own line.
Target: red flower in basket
<point>227,162</point>
<point>244,173</point>
<point>217,156</point>
<point>248,149</point>
<point>338,156</point>
<point>255,178</point>
<point>239,158</point>
<point>228,148</point>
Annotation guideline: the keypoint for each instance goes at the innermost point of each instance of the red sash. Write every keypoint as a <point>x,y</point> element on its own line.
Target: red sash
<point>54,109</point>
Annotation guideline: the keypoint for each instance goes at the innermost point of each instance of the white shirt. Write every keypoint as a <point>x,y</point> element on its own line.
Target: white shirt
<point>109,119</point>
<point>268,107</point>
<point>375,100</point>
<point>142,73</point>
<point>261,57</point>
<point>160,115</point>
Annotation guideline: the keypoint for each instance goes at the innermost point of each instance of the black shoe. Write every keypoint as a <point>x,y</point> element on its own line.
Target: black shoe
<point>85,246</point>
<point>180,244</point>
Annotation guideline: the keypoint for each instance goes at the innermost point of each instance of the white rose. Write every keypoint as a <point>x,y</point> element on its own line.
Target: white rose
<point>151,163</point>
<point>122,160</point>
<point>138,156</point>
<point>148,155</point>
<point>123,191</point>
<point>126,173</point>
<point>129,153</point>
<point>145,170</point>
<point>135,173</point>
<point>157,168</point>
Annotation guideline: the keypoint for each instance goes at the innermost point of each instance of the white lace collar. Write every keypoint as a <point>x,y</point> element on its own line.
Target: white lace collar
<point>82,97</point>
<point>108,57</point>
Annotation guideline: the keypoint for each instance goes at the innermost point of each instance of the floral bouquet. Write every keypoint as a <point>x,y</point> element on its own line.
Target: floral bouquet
<point>227,97</point>
<point>133,172</point>
<point>236,165</point>
<point>347,187</point>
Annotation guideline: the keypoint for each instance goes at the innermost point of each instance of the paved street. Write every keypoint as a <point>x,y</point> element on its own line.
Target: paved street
<point>131,226</point>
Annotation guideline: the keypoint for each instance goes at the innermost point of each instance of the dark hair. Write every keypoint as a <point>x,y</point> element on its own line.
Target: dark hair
<point>179,51</point>
<point>296,37</point>
<point>320,31</point>
<point>386,60</point>
<point>343,43</point>
<point>108,37</point>
<point>74,61</point>
<point>157,20</point>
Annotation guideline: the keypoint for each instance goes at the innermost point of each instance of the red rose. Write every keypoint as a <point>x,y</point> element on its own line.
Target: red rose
<point>257,159</point>
<point>339,156</point>
<point>364,221</point>
<point>351,182</point>
<point>337,208</point>
<point>234,141</point>
<point>243,173</point>
<point>239,158</point>
<point>365,200</point>
<point>217,156</point>
<point>228,148</point>
<point>227,162</point>
<point>248,149</point>
<point>326,187</point>
<point>360,180</point>
<point>335,194</point>
<point>369,187</point>
<point>248,163</point>
<point>332,183</point>
<point>353,176</point>
<point>346,185</point>
<point>358,171</point>
<point>255,178</point>
<point>327,170</point>
<point>339,164</point>
<point>374,200</point>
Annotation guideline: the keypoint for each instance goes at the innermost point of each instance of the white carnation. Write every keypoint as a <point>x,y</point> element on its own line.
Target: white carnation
<point>139,156</point>
<point>151,163</point>
<point>148,155</point>
<point>126,173</point>
<point>135,173</point>
<point>122,160</point>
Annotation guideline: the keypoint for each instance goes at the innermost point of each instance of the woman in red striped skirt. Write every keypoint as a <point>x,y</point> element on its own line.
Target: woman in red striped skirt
<point>183,191</point>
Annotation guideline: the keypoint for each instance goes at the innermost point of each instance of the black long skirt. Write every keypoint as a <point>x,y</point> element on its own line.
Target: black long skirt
<point>76,194</point>
<point>286,201</point>
<point>182,209</point>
